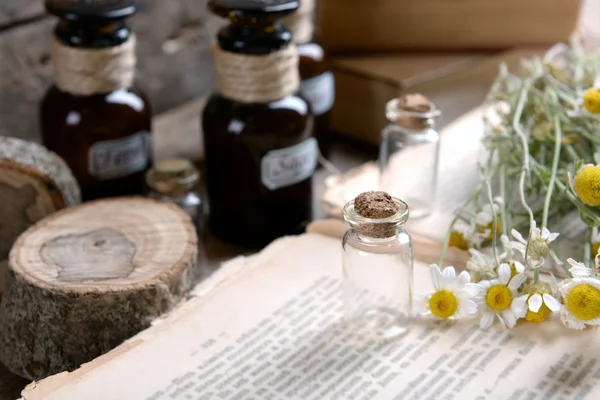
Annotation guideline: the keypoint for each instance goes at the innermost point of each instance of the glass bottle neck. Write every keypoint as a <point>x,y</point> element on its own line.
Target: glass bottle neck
<point>92,34</point>
<point>410,121</point>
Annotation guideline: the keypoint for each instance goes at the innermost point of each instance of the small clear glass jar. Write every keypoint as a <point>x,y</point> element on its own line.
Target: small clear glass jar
<point>409,157</point>
<point>378,274</point>
<point>176,180</point>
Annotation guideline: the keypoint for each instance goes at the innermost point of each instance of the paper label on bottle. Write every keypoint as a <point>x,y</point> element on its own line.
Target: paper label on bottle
<point>284,167</point>
<point>319,92</point>
<point>117,158</point>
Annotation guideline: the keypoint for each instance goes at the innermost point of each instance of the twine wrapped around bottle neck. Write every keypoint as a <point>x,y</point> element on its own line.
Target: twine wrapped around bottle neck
<point>301,22</point>
<point>94,71</point>
<point>257,78</point>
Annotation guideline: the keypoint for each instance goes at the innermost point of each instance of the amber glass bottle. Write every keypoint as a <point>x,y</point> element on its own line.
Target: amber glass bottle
<point>92,116</point>
<point>317,81</point>
<point>259,148</point>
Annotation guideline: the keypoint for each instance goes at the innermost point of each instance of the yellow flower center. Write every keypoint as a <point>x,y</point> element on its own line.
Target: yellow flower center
<point>591,101</point>
<point>490,228</point>
<point>543,312</point>
<point>539,316</point>
<point>583,301</point>
<point>595,248</point>
<point>443,304</point>
<point>499,298</point>
<point>586,184</point>
<point>457,239</point>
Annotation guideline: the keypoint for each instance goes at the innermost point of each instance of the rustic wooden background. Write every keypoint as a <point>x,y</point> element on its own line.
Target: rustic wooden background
<point>174,59</point>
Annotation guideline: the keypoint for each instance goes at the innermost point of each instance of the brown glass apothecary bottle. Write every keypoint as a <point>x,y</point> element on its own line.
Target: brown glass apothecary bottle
<point>317,83</point>
<point>93,116</point>
<point>259,148</point>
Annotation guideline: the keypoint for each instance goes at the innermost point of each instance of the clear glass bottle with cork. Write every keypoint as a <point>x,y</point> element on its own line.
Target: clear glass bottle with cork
<point>378,267</point>
<point>409,152</point>
<point>93,116</point>
<point>317,83</point>
<point>260,152</point>
<point>176,180</point>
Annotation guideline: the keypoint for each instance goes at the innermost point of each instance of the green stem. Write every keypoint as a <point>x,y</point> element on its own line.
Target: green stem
<point>587,248</point>
<point>494,220</point>
<point>572,153</point>
<point>503,221</point>
<point>555,159</point>
<point>523,137</point>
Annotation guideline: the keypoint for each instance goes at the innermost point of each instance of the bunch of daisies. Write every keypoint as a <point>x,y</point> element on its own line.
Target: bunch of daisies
<point>543,161</point>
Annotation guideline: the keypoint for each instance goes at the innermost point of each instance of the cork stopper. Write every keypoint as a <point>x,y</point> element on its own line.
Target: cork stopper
<point>415,104</point>
<point>376,206</point>
<point>173,176</point>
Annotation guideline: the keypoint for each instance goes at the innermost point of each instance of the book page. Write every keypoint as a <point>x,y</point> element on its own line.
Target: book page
<point>271,329</point>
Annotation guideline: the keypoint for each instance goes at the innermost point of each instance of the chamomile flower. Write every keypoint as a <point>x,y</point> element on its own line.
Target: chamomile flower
<point>581,297</point>
<point>480,266</point>
<point>460,235</point>
<point>538,247</point>
<point>496,298</point>
<point>452,295</point>
<point>485,218</point>
<point>586,184</point>
<point>537,304</point>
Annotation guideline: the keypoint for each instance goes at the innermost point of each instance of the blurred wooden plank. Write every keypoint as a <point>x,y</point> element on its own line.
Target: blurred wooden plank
<point>14,11</point>
<point>177,132</point>
<point>434,25</point>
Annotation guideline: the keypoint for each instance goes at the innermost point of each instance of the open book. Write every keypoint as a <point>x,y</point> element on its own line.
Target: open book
<point>268,327</point>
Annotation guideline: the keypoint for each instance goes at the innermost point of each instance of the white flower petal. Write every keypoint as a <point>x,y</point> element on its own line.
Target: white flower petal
<point>504,273</point>
<point>550,302</point>
<point>518,306</point>
<point>463,278</point>
<point>535,302</point>
<point>519,267</point>
<point>436,276</point>
<point>580,271</point>
<point>472,289</point>
<point>486,320</point>
<point>448,274</point>
<point>553,237</point>
<point>517,281</point>
<point>509,318</point>
<point>553,284</point>
<point>484,285</point>
<point>483,219</point>
<point>555,258</point>
<point>570,321</point>
<point>518,236</point>
<point>469,307</point>
<point>545,233</point>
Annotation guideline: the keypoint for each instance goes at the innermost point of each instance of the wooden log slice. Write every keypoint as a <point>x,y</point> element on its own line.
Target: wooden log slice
<point>83,280</point>
<point>34,182</point>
